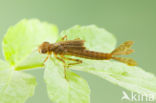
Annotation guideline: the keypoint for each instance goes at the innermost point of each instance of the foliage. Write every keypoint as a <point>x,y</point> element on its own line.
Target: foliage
<point>20,50</point>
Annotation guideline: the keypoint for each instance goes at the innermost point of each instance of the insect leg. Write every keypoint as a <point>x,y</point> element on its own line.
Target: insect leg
<point>77,61</point>
<point>64,38</point>
<point>63,63</point>
<point>70,64</point>
<point>46,58</point>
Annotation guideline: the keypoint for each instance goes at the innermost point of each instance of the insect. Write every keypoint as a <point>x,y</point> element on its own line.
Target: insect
<point>76,48</point>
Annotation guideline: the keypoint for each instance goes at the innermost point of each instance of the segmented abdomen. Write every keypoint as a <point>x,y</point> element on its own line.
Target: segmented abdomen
<point>88,54</point>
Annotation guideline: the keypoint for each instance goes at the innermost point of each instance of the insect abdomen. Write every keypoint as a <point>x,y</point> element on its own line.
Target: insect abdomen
<point>90,54</point>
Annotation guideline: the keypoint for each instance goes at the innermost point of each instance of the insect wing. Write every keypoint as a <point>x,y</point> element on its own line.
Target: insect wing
<point>73,45</point>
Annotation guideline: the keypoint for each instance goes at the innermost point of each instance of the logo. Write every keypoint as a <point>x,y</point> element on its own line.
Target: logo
<point>138,97</point>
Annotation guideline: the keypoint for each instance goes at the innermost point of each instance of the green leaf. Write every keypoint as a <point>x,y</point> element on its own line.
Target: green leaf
<point>15,86</point>
<point>3,65</point>
<point>21,41</point>
<point>95,38</point>
<point>73,90</point>
<point>130,77</point>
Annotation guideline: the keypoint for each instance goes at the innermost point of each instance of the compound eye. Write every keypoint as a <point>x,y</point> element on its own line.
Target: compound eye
<point>43,51</point>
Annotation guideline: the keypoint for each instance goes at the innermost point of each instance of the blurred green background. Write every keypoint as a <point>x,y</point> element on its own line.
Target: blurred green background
<point>126,19</point>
